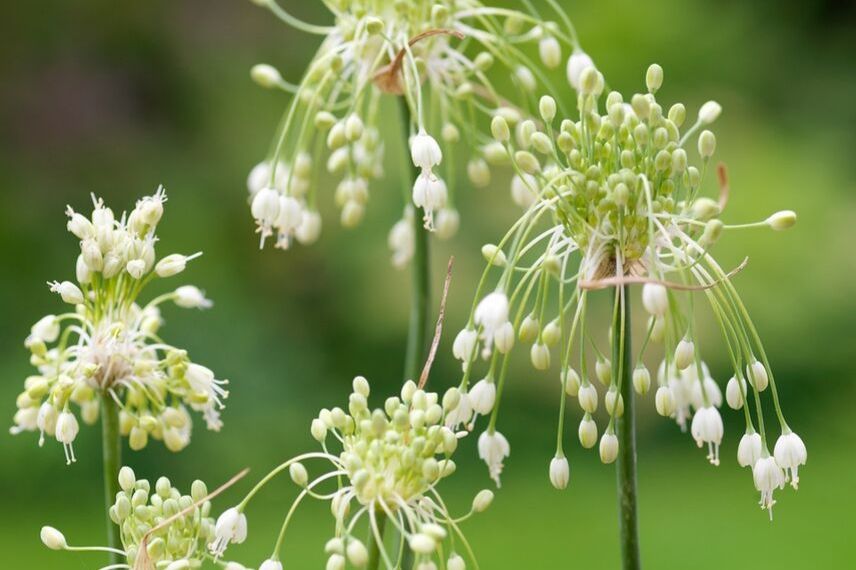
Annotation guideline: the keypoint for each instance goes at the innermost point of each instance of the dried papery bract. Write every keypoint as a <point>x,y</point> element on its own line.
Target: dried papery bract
<point>614,199</point>
<point>108,346</point>
<point>449,60</point>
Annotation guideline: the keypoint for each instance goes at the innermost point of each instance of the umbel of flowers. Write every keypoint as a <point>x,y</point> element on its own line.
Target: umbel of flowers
<point>387,472</point>
<point>617,200</point>
<point>160,527</point>
<point>107,346</point>
<point>450,60</point>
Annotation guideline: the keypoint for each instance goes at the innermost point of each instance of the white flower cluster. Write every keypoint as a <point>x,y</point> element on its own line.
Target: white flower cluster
<point>447,59</point>
<point>108,345</point>
<point>611,200</point>
<point>391,462</point>
<point>159,528</point>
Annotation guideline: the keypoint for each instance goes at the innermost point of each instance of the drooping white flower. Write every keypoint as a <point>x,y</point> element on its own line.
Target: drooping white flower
<point>749,449</point>
<point>271,564</point>
<point>684,353</point>
<point>192,297</point>
<point>734,394</point>
<point>655,299</point>
<point>425,151</point>
<point>231,528</point>
<point>69,292</point>
<point>608,447</point>
<point>430,194</point>
<point>482,396</point>
<point>587,396</point>
<point>707,428</point>
<point>461,414</point>
<point>46,329</point>
<point>401,240</point>
<point>790,453</point>
<point>491,313</point>
<point>67,429</point>
<point>493,449</point>
<point>757,374</point>
<point>560,472</point>
<point>464,346</point>
<point>768,476</point>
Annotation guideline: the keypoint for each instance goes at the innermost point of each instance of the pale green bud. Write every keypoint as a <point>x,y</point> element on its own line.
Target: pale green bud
<point>324,120</point>
<point>298,474</point>
<point>705,208</point>
<point>541,143</point>
<point>527,162</point>
<point>654,78</point>
<point>494,255</point>
<point>679,161</point>
<point>478,172</point>
<point>483,61</point>
<point>482,500</point>
<point>499,129</point>
<point>706,144</point>
<point>266,75</point>
<point>374,25</point>
<point>547,108</point>
<point>709,112</point>
<point>127,479</point>
<point>782,220</point>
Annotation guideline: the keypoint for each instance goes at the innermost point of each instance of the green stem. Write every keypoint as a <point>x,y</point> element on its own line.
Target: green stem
<point>421,280</point>
<point>112,459</point>
<point>374,546</point>
<point>626,465</point>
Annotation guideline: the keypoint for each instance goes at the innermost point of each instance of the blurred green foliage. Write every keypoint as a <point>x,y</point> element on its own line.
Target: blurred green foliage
<point>116,98</point>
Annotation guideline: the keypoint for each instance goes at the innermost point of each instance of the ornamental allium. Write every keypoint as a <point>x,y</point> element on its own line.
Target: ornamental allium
<point>390,463</point>
<point>448,61</point>
<point>159,526</point>
<point>614,198</point>
<point>108,344</point>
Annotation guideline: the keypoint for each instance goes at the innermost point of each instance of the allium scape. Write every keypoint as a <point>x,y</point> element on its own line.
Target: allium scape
<point>108,345</point>
<point>614,199</point>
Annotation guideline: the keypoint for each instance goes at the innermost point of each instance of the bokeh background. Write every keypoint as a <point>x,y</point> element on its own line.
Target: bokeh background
<point>116,98</point>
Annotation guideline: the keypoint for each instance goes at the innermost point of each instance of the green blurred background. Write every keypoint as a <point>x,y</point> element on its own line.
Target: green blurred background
<point>115,98</point>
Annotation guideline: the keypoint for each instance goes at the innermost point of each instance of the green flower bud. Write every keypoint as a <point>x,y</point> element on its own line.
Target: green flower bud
<point>654,78</point>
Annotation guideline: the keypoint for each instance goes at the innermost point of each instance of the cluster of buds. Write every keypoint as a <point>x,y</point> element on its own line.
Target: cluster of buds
<point>392,460</point>
<point>449,60</point>
<point>108,346</point>
<point>159,528</point>
<point>612,200</point>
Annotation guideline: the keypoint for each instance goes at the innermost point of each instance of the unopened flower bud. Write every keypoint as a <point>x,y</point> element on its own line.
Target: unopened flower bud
<point>706,144</point>
<point>782,220</point>
<point>709,112</point>
<point>559,472</point>
<point>684,353</point>
<point>608,447</point>
<point>654,78</point>
<point>52,538</point>
<point>550,52</point>
<point>547,108</point>
<point>641,379</point>
<point>482,500</point>
<point>266,75</point>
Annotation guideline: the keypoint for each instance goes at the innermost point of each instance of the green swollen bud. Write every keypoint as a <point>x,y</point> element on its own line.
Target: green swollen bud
<point>499,129</point>
<point>527,162</point>
<point>541,142</point>
<point>678,114</point>
<point>654,78</point>
<point>706,144</point>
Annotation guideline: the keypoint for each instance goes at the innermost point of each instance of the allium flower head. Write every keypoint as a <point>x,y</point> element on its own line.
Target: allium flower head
<point>159,526</point>
<point>450,61</point>
<point>390,463</point>
<point>108,344</point>
<point>614,198</point>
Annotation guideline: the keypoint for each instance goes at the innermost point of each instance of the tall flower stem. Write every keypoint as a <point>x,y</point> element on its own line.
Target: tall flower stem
<point>420,293</point>
<point>111,443</point>
<point>374,545</point>
<point>628,521</point>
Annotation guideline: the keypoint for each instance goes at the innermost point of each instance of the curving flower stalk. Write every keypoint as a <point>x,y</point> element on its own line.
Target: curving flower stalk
<point>386,474</point>
<point>615,201</point>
